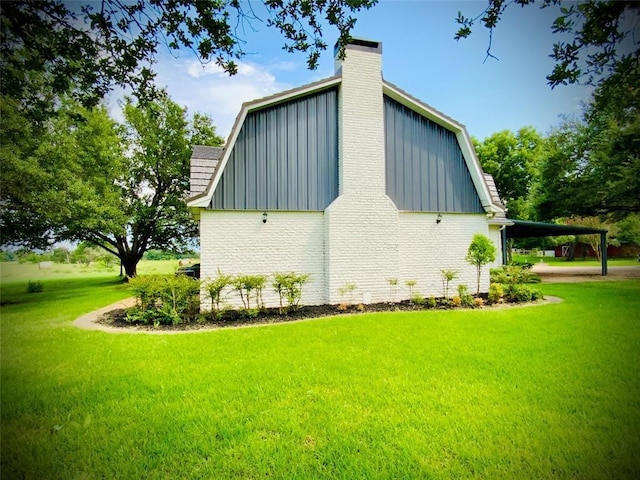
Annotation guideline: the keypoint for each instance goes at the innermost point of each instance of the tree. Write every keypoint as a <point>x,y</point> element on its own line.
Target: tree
<point>481,251</point>
<point>119,187</point>
<point>51,48</point>
<point>592,166</point>
<point>513,161</point>
<point>604,35</point>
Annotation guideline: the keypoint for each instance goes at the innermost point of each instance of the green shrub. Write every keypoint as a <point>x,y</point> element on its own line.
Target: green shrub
<point>447,276</point>
<point>34,287</point>
<point>518,293</point>
<point>496,293</point>
<point>215,289</point>
<point>466,300</point>
<point>250,286</point>
<point>513,275</point>
<point>164,299</point>
<point>289,286</point>
<point>417,298</point>
<point>431,302</point>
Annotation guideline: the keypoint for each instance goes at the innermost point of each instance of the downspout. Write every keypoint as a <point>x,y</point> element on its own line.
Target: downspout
<point>505,252</point>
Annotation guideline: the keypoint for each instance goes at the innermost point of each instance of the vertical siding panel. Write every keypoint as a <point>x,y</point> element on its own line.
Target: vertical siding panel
<point>301,157</point>
<point>285,157</point>
<point>424,164</point>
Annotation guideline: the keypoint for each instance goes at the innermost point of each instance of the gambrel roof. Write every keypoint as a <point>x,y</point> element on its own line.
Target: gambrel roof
<point>489,200</point>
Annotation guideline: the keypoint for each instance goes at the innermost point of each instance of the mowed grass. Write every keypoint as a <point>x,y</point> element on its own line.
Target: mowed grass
<point>548,391</point>
<point>578,262</point>
<point>11,272</point>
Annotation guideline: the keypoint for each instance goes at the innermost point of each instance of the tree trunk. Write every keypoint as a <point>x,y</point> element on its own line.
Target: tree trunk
<point>572,252</point>
<point>130,265</point>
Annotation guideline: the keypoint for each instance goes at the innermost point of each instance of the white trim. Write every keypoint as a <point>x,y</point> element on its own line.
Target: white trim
<point>203,199</point>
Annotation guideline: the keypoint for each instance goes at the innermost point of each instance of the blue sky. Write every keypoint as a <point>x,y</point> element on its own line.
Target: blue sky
<point>419,55</point>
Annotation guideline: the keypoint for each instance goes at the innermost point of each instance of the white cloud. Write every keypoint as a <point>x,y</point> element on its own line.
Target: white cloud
<point>208,89</point>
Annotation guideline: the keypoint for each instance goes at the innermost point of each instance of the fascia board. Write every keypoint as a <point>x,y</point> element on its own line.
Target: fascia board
<point>203,199</point>
<point>468,152</point>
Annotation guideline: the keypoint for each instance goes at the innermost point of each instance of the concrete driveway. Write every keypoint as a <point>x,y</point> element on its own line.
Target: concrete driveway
<point>561,274</point>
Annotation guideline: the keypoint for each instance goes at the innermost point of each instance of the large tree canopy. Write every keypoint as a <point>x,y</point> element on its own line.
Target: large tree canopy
<point>513,160</point>
<point>603,33</point>
<point>593,166</point>
<point>120,187</point>
<point>54,47</point>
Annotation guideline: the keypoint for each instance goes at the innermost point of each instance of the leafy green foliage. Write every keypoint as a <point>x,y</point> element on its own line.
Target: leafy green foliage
<point>512,283</point>
<point>466,299</point>
<point>215,289</point>
<point>447,276</point>
<point>248,287</point>
<point>604,35</point>
<point>496,292</point>
<point>513,160</point>
<point>118,187</point>
<point>52,48</point>
<point>34,287</point>
<point>288,286</point>
<point>164,299</point>
<point>481,252</point>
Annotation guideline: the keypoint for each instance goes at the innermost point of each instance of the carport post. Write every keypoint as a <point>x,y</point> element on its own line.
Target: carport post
<point>603,247</point>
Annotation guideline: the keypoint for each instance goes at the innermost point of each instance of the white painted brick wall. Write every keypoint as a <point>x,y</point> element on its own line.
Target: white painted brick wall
<point>426,248</point>
<point>237,242</point>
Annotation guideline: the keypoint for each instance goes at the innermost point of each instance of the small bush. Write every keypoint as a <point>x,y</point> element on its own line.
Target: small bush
<point>455,301</point>
<point>249,286</point>
<point>215,289</point>
<point>417,298</point>
<point>289,286</point>
<point>518,293</point>
<point>496,293</point>
<point>346,292</point>
<point>431,302</point>
<point>164,299</point>
<point>466,300</point>
<point>478,302</point>
<point>34,287</point>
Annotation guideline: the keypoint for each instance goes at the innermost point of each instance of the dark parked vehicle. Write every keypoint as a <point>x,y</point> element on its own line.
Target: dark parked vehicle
<point>190,271</point>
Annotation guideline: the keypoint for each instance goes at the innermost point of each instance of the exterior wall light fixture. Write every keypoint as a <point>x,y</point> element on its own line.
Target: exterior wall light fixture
<point>439,218</point>
<point>264,217</point>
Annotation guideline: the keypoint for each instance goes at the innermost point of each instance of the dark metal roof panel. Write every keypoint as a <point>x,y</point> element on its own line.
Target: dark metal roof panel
<point>425,167</point>
<point>526,229</point>
<point>285,157</point>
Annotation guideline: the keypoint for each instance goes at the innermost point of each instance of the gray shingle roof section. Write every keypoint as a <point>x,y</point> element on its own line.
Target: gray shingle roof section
<point>493,190</point>
<point>203,163</point>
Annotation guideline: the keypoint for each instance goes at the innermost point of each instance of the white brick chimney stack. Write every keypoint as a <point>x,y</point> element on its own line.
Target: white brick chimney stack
<point>361,113</point>
<point>361,225</point>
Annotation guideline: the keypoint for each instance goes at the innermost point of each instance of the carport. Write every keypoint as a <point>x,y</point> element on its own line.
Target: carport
<point>524,229</point>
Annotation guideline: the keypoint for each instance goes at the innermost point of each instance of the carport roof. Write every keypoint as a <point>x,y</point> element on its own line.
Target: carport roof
<point>525,229</point>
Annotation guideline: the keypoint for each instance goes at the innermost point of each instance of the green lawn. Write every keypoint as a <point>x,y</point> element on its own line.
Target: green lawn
<point>23,272</point>
<point>578,262</point>
<point>539,392</point>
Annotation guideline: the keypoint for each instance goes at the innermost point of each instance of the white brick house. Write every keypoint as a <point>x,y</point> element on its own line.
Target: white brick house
<point>358,183</point>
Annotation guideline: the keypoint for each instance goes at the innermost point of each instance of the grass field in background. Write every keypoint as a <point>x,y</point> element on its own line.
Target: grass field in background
<point>578,262</point>
<point>548,391</point>
<point>23,272</point>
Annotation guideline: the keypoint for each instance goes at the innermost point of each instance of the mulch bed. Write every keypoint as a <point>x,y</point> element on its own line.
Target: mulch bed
<point>236,318</point>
